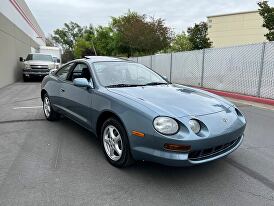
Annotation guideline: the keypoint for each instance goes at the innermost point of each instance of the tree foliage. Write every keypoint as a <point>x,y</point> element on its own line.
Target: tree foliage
<point>138,34</point>
<point>84,44</point>
<point>101,41</point>
<point>50,41</point>
<point>83,48</point>
<point>198,36</point>
<point>105,41</point>
<point>131,34</point>
<point>180,43</point>
<point>267,13</point>
<point>67,55</point>
<point>67,36</point>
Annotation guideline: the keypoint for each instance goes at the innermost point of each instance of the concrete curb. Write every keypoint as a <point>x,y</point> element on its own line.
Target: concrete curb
<point>241,96</point>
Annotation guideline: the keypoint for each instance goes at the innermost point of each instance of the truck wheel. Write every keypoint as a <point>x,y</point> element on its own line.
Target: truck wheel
<point>25,79</point>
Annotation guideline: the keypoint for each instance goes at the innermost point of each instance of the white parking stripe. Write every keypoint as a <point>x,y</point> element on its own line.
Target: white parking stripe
<point>33,107</point>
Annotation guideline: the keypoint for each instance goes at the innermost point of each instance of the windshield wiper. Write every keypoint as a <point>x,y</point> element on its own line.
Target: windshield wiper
<point>156,83</point>
<point>124,85</point>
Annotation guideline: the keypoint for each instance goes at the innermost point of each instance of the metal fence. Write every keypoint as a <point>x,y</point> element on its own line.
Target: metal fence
<point>247,69</point>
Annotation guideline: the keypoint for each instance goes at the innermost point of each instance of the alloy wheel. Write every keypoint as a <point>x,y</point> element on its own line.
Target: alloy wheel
<point>46,106</point>
<point>112,141</point>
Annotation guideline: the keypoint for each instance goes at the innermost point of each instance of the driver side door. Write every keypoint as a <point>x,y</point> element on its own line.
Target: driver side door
<point>77,101</point>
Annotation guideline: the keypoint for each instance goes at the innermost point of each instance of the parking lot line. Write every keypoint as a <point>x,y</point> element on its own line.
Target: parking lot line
<point>33,107</point>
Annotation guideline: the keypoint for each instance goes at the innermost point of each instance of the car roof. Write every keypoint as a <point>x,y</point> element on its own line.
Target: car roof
<point>92,59</point>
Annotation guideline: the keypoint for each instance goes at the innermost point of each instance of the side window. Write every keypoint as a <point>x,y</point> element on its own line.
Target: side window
<point>80,71</point>
<point>62,73</point>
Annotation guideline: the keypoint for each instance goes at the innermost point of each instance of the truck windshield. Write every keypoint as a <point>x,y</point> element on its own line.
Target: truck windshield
<point>40,57</point>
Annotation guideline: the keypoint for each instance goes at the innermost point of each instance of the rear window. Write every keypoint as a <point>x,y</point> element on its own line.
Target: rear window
<point>39,57</point>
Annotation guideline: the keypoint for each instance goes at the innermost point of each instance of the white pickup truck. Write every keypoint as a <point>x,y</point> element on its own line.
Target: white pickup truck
<point>55,52</point>
<point>37,65</point>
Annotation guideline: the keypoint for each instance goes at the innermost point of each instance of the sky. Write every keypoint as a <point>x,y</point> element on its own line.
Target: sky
<point>178,14</point>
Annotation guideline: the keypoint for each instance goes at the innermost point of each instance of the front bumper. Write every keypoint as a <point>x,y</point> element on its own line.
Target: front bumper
<point>220,139</point>
<point>33,73</point>
<point>184,159</point>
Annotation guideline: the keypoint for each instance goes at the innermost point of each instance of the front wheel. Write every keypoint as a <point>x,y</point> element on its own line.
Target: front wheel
<point>115,143</point>
<point>50,114</point>
<point>25,78</point>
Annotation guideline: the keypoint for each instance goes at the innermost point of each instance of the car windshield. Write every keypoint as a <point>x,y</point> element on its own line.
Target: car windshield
<point>124,74</point>
<point>39,57</point>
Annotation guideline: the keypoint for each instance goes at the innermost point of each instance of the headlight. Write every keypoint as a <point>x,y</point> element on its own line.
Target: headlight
<point>51,66</point>
<point>27,66</point>
<point>195,126</point>
<point>166,125</point>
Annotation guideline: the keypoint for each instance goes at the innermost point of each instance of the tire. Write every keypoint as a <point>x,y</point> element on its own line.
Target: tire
<point>25,79</point>
<point>116,144</point>
<point>50,114</point>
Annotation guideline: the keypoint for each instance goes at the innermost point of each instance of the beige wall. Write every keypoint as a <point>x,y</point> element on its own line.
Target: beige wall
<point>26,9</point>
<point>13,44</point>
<point>236,29</point>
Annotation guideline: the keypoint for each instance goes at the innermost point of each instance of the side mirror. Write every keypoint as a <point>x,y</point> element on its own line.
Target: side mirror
<point>21,59</point>
<point>81,82</point>
<point>52,71</point>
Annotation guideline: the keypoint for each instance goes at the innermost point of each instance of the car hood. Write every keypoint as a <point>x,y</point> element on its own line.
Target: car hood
<point>37,62</point>
<point>175,100</point>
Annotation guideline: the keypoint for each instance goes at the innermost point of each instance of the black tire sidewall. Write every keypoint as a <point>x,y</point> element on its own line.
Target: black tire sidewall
<point>126,155</point>
<point>25,78</point>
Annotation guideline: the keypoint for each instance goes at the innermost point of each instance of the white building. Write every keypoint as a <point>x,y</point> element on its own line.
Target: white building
<point>20,34</point>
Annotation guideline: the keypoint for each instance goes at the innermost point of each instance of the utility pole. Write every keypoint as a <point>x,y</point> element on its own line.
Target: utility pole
<point>92,41</point>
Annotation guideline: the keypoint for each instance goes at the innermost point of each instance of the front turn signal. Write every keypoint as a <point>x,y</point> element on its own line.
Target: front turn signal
<point>138,134</point>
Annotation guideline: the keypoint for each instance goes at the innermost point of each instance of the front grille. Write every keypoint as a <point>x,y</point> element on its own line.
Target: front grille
<point>41,67</point>
<point>213,151</point>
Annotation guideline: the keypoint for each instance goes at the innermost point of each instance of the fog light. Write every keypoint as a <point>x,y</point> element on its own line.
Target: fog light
<point>177,147</point>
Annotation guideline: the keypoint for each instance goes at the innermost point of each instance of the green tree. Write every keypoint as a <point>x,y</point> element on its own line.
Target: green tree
<point>180,43</point>
<point>67,36</point>
<point>83,48</point>
<point>101,39</point>
<point>50,41</point>
<point>267,13</point>
<point>105,41</point>
<point>84,44</point>
<point>137,34</point>
<point>198,36</point>
<point>67,55</point>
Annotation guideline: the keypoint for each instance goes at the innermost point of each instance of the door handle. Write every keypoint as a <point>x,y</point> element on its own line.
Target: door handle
<point>62,90</point>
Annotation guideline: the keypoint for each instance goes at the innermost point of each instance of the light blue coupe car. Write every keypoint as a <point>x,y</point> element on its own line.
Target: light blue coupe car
<point>138,115</point>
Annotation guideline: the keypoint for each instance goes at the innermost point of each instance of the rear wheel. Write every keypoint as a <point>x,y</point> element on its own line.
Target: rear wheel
<point>115,143</point>
<point>50,114</point>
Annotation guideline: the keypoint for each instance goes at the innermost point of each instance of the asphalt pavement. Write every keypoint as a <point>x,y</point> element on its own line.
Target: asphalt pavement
<point>60,163</point>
